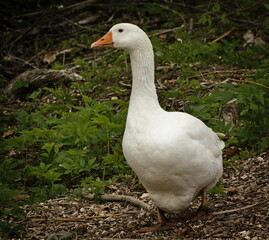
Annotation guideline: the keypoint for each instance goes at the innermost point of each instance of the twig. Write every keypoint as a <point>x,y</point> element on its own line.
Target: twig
<point>80,4</point>
<point>187,6</point>
<point>222,36</point>
<point>106,53</point>
<point>239,209</point>
<point>22,35</point>
<point>190,25</point>
<point>74,219</point>
<point>264,49</point>
<point>76,24</point>
<point>11,58</point>
<point>26,31</point>
<point>219,71</point>
<point>187,225</point>
<point>120,198</point>
<point>172,10</point>
<point>111,17</point>
<point>247,81</point>
<point>123,239</point>
<point>247,8</point>
<point>229,71</point>
<point>7,109</point>
<point>168,30</point>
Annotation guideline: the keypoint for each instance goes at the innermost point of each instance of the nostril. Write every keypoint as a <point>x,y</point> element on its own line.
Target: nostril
<point>102,39</point>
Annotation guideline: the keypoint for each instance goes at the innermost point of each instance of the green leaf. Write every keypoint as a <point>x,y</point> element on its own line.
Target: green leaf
<point>20,84</point>
<point>34,95</point>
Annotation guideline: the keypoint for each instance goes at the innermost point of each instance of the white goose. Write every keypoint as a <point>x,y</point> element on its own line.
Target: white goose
<point>175,155</point>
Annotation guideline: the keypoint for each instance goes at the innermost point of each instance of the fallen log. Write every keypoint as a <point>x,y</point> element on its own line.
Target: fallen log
<point>31,80</point>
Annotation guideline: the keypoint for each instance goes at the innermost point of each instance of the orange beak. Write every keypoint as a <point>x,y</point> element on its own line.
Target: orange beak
<point>105,41</point>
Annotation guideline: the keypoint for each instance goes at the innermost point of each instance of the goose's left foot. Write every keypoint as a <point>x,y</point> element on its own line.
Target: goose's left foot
<point>163,225</point>
<point>203,213</point>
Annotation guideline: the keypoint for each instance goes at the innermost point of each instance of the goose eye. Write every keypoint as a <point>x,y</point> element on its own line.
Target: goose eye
<point>120,30</point>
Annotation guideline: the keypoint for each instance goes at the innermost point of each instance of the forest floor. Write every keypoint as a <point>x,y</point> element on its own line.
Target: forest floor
<point>241,213</point>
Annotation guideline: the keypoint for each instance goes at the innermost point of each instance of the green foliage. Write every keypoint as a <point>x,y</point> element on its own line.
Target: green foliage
<point>34,95</point>
<point>10,210</point>
<point>20,84</point>
<point>251,99</point>
<point>214,12</point>
<point>217,189</point>
<point>74,145</point>
<point>71,143</point>
<point>61,94</point>
<point>28,121</point>
<point>57,66</point>
<point>97,186</point>
<point>2,80</point>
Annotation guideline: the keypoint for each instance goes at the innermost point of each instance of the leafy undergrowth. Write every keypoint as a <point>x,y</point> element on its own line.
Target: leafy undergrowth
<point>66,138</point>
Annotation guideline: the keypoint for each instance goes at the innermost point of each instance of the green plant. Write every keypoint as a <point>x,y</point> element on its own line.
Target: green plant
<point>97,186</point>
<point>218,189</point>
<point>214,13</point>
<point>57,66</point>
<point>81,146</point>
<point>251,99</point>
<point>70,142</point>
<point>10,210</point>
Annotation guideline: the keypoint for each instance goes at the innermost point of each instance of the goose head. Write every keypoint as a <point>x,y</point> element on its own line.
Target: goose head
<point>125,36</point>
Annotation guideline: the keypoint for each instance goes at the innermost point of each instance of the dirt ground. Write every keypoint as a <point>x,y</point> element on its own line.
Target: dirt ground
<point>240,213</point>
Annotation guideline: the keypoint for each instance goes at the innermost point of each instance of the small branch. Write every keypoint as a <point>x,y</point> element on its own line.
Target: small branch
<point>123,239</point>
<point>167,30</point>
<point>222,36</point>
<point>172,10</point>
<point>120,198</point>
<point>13,59</point>
<point>75,219</point>
<point>239,209</point>
<point>77,25</point>
<point>7,109</point>
<point>25,32</point>
<point>91,60</point>
<point>205,73</point>
<point>190,25</point>
<point>76,5</point>
<point>247,8</point>
<point>84,3</point>
<point>247,81</point>
<point>187,225</point>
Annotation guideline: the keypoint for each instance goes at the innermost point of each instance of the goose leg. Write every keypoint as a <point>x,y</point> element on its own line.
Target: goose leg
<point>162,224</point>
<point>204,199</point>
<point>203,212</point>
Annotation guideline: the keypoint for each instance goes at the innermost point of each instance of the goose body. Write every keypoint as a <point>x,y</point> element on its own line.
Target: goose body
<point>174,154</point>
<point>173,166</point>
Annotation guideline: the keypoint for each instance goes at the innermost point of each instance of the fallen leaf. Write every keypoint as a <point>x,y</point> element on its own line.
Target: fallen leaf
<point>8,134</point>
<point>49,58</point>
<point>21,196</point>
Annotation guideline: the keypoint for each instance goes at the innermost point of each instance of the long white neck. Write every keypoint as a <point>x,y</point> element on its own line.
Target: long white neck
<point>143,93</point>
